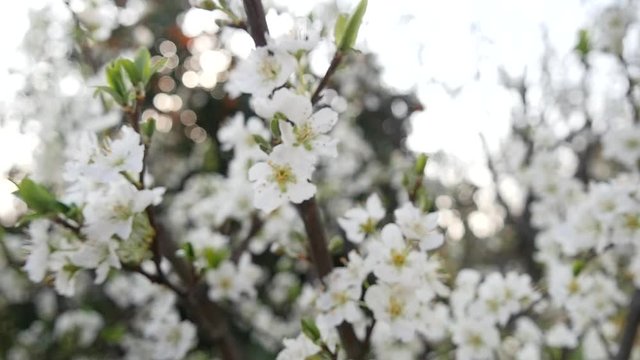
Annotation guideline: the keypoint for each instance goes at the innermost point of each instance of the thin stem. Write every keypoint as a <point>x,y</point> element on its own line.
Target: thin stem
<point>629,94</point>
<point>335,62</point>
<point>155,278</point>
<point>605,342</point>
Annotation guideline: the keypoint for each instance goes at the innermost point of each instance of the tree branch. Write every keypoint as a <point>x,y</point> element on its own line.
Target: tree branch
<point>522,224</point>
<point>208,315</point>
<point>335,62</point>
<point>256,21</point>
<point>629,94</point>
<point>318,246</point>
<point>309,210</point>
<point>630,328</point>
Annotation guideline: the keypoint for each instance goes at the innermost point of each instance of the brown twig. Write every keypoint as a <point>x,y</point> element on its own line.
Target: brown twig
<point>318,244</point>
<point>154,278</point>
<point>309,210</point>
<point>605,342</point>
<point>321,258</point>
<point>335,62</point>
<point>629,94</point>
<point>256,21</point>
<point>208,315</point>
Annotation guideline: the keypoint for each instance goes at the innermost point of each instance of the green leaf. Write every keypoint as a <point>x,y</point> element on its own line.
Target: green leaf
<point>208,5</point>
<point>421,163</point>
<point>131,69</point>
<point>157,65</point>
<point>293,292</point>
<point>263,143</point>
<point>275,127</point>
<point>584,45</point>
<point>115,79</point>
<point>578,266</point>
<point>143,65</point>
<point>148,128</point>
<point>211,159</point>
<point>189,253</point>
<point>340,27</point>
<point>136,248</point>
<point>116,96</point>
<point>310,329</point>
<point>215,256</point>
<point>423,200</point>
<point>74,212</point>
<point>27,218</point>
<point>113,334</point>
<point>38,198</point>
<point>351,32</point>
<point>336,244</point>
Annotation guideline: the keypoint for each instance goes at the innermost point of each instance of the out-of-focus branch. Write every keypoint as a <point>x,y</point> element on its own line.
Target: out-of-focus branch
<point>526,233</point>
<point>208,315</point>
<point>256,20</point>
<point>585,156</point>
<point>629,94</point>
<point>630,328</point>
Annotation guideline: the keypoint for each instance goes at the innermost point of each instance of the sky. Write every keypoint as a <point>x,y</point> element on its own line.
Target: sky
<point>448,52</point>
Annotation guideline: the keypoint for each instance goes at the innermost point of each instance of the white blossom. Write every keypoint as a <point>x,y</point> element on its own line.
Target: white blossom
<point>360,223</point>
<point>419,227</point>
<point>264,70</point>
<point>283,177</point>
<point>299,348</point>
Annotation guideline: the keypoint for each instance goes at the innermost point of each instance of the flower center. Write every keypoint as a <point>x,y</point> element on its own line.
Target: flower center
<point>122,212</point>
<point>270,68</point>
<point>396,307</point>
<point>368,227</point>
<point>632,144</point>
<point>225,283</point>
<point>475,340</point>
<point>282,175</point>
<point>304,134</point>
<point>340,298</point>
<point>574,287</point>
<point>398,258</point>
<point>632,221</point>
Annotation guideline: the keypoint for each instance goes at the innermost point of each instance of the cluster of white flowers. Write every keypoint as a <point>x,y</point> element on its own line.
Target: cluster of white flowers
<point>301,132</point>
<point>229,281</point>
<point>157,331</point>
<point>482,308</point>
<point>399,296</point>
<point>408,282</point>
<point>101,183</point>
<point>83,324</point>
